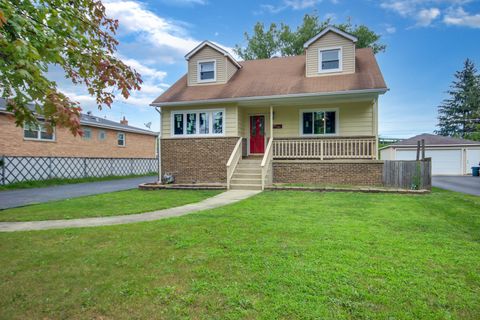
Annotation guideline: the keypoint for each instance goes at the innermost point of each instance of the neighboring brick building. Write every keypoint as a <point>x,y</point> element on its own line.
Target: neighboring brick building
<point>102,139</point>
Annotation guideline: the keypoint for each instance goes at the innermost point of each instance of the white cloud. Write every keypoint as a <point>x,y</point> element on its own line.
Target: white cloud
<point>159,32</point>
<point>144,70</point>
<point>426,16</point>
<point>291,4</point>
<point>459,17</point>
<point>301,4</point>
<point>390,29</point>
<point>425,12</point>
<point>185,2</point>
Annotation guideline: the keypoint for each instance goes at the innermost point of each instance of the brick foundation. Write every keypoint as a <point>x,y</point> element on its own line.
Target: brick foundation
<point>353,172</point>
<point>197,160</point>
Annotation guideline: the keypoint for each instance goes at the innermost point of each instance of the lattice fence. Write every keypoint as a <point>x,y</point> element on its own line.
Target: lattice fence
<point>18,169</point>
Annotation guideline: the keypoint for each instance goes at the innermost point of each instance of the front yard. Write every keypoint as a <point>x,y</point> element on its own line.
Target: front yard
<point>106,204</point>
<point>287,255</point>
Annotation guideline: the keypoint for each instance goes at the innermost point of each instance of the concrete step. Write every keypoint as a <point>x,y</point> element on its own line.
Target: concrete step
<point>247,175</point>
<point>250,161</point>
<point>248,170</point>
<point>245,187</point>
<point>246,181</point>
<point>249,164</point>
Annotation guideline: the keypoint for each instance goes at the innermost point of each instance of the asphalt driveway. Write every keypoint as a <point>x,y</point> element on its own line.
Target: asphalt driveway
<point>465,184</point>
<point>22,197</point>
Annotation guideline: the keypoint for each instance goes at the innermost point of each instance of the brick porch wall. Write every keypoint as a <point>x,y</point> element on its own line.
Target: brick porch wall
<point>197,159</point>
<point>348,172</point>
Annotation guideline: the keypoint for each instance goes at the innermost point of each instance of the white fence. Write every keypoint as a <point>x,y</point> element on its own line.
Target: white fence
<point>331,148</point>
<point>17,169</point>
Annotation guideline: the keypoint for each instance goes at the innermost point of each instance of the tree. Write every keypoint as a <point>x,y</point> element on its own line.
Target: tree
<point>75,35</point>
<point>459,115</point>
<point>286,42</point>
<point>262,45</point>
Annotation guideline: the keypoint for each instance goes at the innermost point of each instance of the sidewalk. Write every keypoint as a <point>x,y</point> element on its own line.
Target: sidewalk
<point>222,199</point>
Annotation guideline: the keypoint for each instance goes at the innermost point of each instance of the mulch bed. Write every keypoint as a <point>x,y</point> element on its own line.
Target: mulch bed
<point>349,189</point>
<point>156,186</point>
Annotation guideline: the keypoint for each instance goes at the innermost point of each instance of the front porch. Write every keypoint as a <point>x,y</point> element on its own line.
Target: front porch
<point>289,155</point>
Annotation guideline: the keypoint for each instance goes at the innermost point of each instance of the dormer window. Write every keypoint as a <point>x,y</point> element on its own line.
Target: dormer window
<point>329,60</point>
<point>207,71</point>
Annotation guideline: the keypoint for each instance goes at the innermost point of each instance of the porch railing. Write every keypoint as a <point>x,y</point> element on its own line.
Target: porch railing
<point>266,165</point>
<point>325,148</point>
<point>233,161</point>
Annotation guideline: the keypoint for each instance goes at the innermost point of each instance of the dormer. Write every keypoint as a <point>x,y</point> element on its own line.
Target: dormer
<point>330,52</point>
<point>210,64</point>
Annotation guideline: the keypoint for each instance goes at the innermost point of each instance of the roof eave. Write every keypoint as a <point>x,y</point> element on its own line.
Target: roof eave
<point>102,126</point>
<point>126,129</point>
<point>332,29</point>
<point>215,47</point>
<point>271,97</point>
<point>432,145</point>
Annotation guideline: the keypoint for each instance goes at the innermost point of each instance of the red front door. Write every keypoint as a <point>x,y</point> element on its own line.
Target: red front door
<point>257,134</point>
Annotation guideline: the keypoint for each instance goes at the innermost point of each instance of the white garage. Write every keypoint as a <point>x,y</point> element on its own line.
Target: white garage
<point>450,156</point>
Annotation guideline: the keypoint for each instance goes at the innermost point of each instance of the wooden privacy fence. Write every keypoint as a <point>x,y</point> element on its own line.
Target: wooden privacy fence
<point>408,174</point>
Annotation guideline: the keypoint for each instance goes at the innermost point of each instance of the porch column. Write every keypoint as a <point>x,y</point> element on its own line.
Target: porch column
<point>271,122</point>
<point>159,110</point>
<point>375,126</point>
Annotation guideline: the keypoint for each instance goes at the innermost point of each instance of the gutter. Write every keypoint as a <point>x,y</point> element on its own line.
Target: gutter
<point>89,124</point>
<point>432,145</point>
<point>272,97</point>
<point>102,126</point>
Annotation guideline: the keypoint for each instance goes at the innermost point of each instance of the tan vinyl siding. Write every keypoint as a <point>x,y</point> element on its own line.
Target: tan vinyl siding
<point>231,68</point>
<point>355,119</point>
<point>329,40</point>
<point>231,120</point>
<point>241,125</point>
<point>207,53</point>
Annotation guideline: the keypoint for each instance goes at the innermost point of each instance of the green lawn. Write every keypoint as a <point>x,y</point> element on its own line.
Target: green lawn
<point>59,181</point>
<point>106,204</point>
<point>278,255</point>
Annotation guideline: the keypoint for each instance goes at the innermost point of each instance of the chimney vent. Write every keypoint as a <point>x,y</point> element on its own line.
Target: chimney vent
<point>124,121</point>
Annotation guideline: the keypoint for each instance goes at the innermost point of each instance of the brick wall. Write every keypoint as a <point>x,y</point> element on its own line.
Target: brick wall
<point>66,145</point>
<point>197,159</point>
<point>354,172</point>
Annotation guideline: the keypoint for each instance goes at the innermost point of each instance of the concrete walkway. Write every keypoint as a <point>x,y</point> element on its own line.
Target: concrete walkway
<point>23,197</point>
<point>222,199</point>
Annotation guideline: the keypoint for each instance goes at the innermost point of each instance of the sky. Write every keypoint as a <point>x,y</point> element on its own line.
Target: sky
<point>427,41</point>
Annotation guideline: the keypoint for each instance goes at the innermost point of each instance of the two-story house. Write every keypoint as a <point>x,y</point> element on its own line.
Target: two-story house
<point>311,118</point>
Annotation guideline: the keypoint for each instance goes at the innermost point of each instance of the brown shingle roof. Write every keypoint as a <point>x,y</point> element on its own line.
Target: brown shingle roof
<point>279,76</point>
<point>431,139</point>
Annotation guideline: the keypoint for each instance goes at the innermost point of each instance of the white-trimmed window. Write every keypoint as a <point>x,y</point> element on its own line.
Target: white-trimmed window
<point>319,122</point>
<point>102,135</point>
<point>121,139</point>
<point>198,123</point>
<point>329,60</point>
<point>87,133</point>
<point>38,132</point>
<point>207,71</point>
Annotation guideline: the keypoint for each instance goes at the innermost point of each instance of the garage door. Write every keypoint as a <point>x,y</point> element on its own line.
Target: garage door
<point>443,161</point>
<point>473,158</point>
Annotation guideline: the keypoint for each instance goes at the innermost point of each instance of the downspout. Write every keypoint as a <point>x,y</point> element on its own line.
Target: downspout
<point>375,126</point>
<point>159,110</point>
